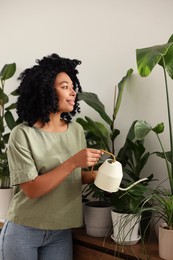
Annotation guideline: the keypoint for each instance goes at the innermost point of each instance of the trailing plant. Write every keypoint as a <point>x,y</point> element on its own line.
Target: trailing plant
<point>7,122</point>
<point>147,59</point>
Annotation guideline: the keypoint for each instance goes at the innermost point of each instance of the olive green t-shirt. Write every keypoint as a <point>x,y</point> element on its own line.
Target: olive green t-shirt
<point>32,152</point>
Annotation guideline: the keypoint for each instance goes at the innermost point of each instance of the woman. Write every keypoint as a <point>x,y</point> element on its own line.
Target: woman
<point>46,154</point>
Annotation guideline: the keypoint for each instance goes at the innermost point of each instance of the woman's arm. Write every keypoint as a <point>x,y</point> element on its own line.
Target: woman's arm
<point>88,176</point>
<point>45,183</point>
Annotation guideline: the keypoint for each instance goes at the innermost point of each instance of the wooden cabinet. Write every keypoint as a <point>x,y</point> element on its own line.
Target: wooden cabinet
<point>92,248</point>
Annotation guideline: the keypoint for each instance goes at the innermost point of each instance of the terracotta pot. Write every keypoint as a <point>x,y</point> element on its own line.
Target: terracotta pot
<point>165,242</point>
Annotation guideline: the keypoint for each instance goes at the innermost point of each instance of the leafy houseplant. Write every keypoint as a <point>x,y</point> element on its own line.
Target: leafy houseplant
<point>132,155</point>
<point>98,136</point>
<point>147,59</point>
<point>7,122</point>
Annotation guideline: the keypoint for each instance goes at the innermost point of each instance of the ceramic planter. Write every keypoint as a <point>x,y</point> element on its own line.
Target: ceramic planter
<point>5,199</point>
<point>165,242</point>
<point>97,217</point>
<point>125,228</point>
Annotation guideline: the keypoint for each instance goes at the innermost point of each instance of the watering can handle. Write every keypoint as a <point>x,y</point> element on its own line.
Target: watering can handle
<point>124,189</point>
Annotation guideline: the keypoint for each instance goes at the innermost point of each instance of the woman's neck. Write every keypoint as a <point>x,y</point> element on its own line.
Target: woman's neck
<point>56,124</point>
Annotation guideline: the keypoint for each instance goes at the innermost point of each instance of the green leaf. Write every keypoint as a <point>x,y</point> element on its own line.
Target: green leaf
<point>95,131</point>
<point>159,128</point>
<point>12,106</point>
<point>8,71</point>
<point>15,93</point>
<point>3,98</point>
<point>6,137</point>
<point>148,58</point>
<point>114,134</point>
<point>141,128</point>
<point>121,86</point>
<point>168,59</point>
<point>93,101</point>
<point>168,155</point>
<point>10,120</point>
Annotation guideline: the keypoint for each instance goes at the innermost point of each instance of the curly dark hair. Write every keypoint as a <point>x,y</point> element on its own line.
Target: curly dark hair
<point>37,94</point>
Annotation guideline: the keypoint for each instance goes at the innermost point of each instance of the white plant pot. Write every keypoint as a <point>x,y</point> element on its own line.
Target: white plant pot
<point>165,242</point>
<point>5,199</point>
<point>97,219</point>
<point>125,228</point>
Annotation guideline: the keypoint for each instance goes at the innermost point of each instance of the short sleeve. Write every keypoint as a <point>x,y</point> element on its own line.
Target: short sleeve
<point>21,164</point>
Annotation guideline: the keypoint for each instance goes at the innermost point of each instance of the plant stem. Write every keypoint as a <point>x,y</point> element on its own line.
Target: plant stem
<point>170,127</point>
<point>167,165</point>
<point>113,118</point>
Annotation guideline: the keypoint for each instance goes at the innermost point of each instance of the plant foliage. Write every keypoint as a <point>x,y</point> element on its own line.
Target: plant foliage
<point>132,155</point>
<point>7,122</point>
<point>147,59</point>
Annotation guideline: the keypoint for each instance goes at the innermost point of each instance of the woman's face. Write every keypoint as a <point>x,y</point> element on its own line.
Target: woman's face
<point>65,92</point>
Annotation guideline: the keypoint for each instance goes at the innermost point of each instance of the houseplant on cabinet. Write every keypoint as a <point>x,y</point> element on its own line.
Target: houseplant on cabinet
<point>98,136</point>
<point>134,204</point>
<point>7,122</point>
<point>147,59</point>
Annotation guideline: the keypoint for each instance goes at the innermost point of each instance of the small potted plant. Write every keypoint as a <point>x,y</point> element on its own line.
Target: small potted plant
<point>7,122</point>
<point>147,59</point>
<point>132,205</point>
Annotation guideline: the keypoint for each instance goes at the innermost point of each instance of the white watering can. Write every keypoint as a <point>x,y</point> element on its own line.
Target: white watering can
<point>109,176</point>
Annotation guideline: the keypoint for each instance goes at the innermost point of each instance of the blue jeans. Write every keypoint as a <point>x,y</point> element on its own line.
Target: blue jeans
<point>19,242</point>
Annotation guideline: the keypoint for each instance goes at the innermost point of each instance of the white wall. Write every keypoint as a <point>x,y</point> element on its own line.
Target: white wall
<point>104,35</point>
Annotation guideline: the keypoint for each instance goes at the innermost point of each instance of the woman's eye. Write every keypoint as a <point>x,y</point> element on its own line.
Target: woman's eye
<point>65,87</point>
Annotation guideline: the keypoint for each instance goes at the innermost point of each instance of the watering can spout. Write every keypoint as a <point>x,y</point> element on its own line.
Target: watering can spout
<point>110,175</point>
<point>135,183</point>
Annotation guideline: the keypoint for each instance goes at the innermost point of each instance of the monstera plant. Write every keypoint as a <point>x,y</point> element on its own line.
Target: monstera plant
<point>147,59</point>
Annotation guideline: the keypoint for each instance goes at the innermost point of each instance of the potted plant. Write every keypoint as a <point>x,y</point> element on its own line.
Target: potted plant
<point>147,59</point>
<point>98,136</point>
<point>7,122</point>
<point>96,211</point>
<point>133,202</point>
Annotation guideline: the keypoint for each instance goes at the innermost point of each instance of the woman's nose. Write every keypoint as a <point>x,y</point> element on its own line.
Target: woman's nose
<point>73,92</point>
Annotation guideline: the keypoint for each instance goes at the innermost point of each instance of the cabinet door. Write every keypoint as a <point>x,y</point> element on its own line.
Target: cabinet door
<point>85,253</point>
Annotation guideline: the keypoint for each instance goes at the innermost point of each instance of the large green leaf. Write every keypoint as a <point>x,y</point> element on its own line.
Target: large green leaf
<point>8,71</point>
<point>95,132</point>
<point>121,86</point>
<point>168,59</point>
<point>148,58</point>
<point>93,101</point>
<point>141,128</point>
